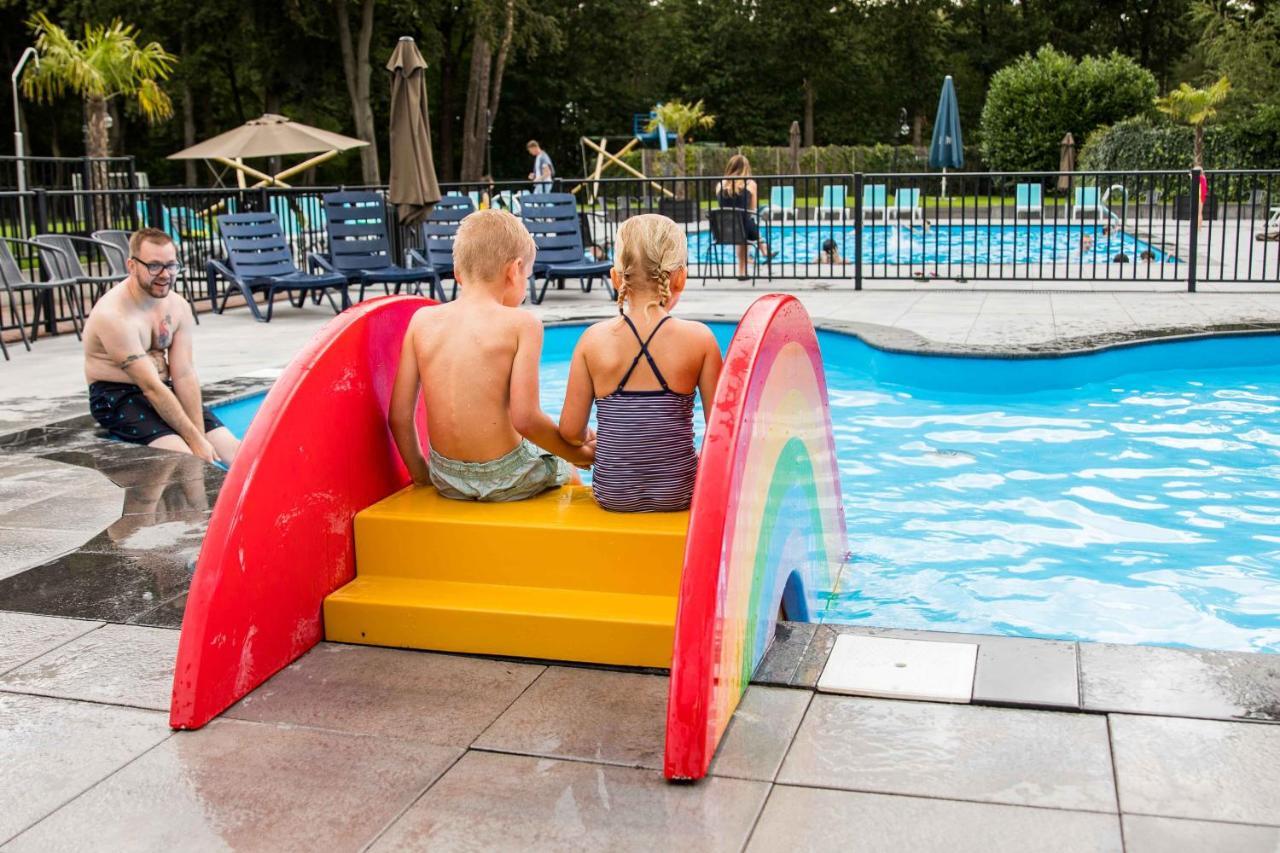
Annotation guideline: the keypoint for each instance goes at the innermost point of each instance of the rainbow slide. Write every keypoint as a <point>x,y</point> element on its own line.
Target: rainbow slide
<point>307,543</point>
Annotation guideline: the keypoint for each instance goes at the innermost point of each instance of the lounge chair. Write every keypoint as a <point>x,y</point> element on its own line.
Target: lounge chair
<point>360,248</point>
<point>875,201</point>
<point>1087,200</point>
<point>64,261</point>
<point>728,228</point>
<point>14,281</point>
<point>782,204</point>
<point>552,219</point>
<point>833,202</point>
<point>438,233</point>
<point>907,201</point>
<point>259,260</point>
<point>1028,200</point>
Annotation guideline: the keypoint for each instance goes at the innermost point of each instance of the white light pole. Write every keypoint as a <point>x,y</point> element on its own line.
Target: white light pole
<point>29,53</point>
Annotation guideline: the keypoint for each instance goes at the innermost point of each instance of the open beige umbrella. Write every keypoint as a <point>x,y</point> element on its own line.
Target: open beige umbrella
<point>1066,161</point>
<point>270,136</point>
<point>412,185</point>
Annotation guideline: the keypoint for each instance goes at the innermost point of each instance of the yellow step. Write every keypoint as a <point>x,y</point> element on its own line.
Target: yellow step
<point>497,619</point>
<point>560,539</point>
<point>554,577</point>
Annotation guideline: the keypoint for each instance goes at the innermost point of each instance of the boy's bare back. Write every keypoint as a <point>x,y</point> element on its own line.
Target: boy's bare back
<point>465,354</point>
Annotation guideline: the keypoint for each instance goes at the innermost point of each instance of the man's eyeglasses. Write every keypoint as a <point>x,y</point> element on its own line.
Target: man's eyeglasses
<point>173,268</point>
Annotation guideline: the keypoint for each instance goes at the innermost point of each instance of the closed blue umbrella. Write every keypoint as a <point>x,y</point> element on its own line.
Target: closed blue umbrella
<point>946,151</point>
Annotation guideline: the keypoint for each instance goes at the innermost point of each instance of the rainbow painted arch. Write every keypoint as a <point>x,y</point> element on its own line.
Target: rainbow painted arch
<point>766,525</point>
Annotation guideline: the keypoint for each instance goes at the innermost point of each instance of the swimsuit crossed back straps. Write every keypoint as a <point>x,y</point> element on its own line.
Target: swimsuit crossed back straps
<point>645,458</point>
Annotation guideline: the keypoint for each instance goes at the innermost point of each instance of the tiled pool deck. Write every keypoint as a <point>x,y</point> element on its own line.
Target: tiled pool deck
<point>1066,746</point>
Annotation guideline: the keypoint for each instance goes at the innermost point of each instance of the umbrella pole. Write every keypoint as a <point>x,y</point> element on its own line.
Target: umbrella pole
<point>944,182</point>
<point>243,170</point>
<point>304,165</point>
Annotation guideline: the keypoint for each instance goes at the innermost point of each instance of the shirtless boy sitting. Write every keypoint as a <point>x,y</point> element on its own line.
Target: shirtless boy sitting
<point>143,386</point>
<point>489,438</point>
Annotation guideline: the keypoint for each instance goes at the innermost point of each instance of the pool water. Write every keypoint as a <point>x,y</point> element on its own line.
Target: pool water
<point>1131,496</point>
<point>946,244</point>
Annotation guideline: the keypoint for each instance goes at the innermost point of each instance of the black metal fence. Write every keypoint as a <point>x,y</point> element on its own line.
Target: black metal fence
<point>66,173</point>
<point>1025,230</point>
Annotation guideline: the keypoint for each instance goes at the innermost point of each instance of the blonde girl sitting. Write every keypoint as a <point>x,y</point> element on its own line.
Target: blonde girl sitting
<point>641,370</point>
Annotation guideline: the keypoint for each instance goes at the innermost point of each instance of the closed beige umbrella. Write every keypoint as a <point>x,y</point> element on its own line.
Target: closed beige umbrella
<point>270,136</point>
<point>413,187</point>
<point>1066,161</point>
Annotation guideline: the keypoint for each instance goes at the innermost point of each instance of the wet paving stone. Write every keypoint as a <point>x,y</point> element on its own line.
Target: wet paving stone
<point>1202,769</point>
<point>490,801</point>
<point>115,665</point>
<point>177,535</point>
<point>106,587</point>
<point>53,749</point>
<point>790,640</point>
<point>243,786</point>
<point>167,615</point>
<point>1180,682</point>
<point>443,699</point>
<point>1143,834</point>
<point>852,822</point>
<point>26,636</point>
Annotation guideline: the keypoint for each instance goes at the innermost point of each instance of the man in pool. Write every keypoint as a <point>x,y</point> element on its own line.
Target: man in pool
<point>142,380</point>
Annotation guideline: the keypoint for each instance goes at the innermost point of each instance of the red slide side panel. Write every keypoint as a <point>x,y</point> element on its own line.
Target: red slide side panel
<point>280,538</point>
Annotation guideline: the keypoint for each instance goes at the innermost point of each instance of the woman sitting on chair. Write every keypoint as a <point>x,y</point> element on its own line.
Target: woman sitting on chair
<point>738,190</point>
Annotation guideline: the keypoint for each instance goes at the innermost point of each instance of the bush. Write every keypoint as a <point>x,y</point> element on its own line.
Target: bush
<point>1137,144</point>
<point>1034,102</point>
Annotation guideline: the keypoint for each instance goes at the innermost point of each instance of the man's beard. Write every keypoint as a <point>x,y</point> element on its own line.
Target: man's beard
<point>156,290</point>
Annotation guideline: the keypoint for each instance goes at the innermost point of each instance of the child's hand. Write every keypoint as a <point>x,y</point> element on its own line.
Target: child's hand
<point>585,456</point>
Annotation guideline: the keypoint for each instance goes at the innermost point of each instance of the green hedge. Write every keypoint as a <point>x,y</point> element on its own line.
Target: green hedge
<point>1034,102</point>
<point>703,160</point>
<point>1139,144</point>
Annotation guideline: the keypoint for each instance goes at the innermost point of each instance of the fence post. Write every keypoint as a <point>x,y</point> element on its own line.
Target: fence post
<point>857,231</point>
<point>41,212</point>
<point>1192,246</point>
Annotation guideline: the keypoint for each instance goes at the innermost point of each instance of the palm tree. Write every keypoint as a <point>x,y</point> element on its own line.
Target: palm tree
<point>1195,107</point>
<point>107,63</point>
<point>680,118</point>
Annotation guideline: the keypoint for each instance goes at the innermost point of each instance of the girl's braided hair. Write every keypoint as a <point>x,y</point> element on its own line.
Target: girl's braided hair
<point>650,247</point>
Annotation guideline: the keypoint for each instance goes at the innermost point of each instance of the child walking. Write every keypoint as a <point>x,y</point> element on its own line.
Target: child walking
<point>641,370</point>
<point>490,440</point>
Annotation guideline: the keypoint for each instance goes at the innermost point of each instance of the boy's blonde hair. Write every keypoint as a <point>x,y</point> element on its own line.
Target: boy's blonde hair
<point>487,241</point>
<point>650,247</point>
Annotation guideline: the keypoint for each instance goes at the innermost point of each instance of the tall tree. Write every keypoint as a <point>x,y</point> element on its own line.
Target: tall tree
<point>356,68</point>
<point>1195,107</point>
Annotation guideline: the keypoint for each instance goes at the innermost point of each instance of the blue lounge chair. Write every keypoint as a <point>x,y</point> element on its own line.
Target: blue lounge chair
<point>552,219</point>
<point>438,233</point>
<point>907,201</point>
<point>1028,200</point>
<point>1087,200</point>
<point>833,202</point>
<point>782,204</point>
<point>259,260</point>
<point>360,249</point>
<point>875,201</point>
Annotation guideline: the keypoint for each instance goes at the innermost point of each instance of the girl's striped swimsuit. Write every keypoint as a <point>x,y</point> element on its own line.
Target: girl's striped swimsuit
<point>645,458</point>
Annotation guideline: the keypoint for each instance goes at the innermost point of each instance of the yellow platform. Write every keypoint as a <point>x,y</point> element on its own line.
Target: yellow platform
<point>553,577</point>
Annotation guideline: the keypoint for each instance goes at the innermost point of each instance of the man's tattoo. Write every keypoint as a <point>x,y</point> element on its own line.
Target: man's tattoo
<point>164,335</point>
<point>130,359</point>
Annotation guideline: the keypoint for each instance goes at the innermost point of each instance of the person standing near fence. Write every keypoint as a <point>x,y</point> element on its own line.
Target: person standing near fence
<point>543,169</point>
<point>738,191</point>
